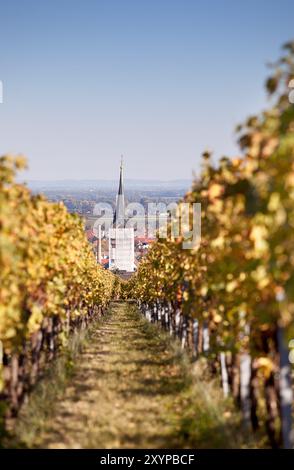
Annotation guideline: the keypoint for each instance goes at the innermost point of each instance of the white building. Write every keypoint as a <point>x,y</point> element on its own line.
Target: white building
<point>121,239</point>
<point>121,249</point>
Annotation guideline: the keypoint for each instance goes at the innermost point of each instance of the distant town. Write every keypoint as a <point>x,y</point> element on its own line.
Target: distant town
<point>81,196</point>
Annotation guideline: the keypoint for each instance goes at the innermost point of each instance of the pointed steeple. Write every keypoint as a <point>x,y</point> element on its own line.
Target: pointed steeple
<point>121,187</point>
<point>119,215</point>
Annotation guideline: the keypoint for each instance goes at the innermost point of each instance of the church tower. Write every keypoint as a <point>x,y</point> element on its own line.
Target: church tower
<point>119,215</point>
<point>121,238</point>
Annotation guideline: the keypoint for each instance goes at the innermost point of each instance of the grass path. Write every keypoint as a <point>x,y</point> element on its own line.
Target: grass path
<point>131,388</point>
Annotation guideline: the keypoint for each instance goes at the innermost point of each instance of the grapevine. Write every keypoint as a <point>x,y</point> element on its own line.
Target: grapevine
<point>50,282</point>
<point>231,298</point>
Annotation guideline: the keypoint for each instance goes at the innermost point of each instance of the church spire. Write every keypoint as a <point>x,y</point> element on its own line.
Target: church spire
<point>121,187</point>
<point>119,215</point>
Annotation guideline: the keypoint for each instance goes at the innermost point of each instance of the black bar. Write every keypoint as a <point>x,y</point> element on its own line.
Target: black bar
<point>143,458</point>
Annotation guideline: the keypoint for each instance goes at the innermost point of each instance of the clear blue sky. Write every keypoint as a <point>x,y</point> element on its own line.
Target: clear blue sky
<point>156,80</point>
